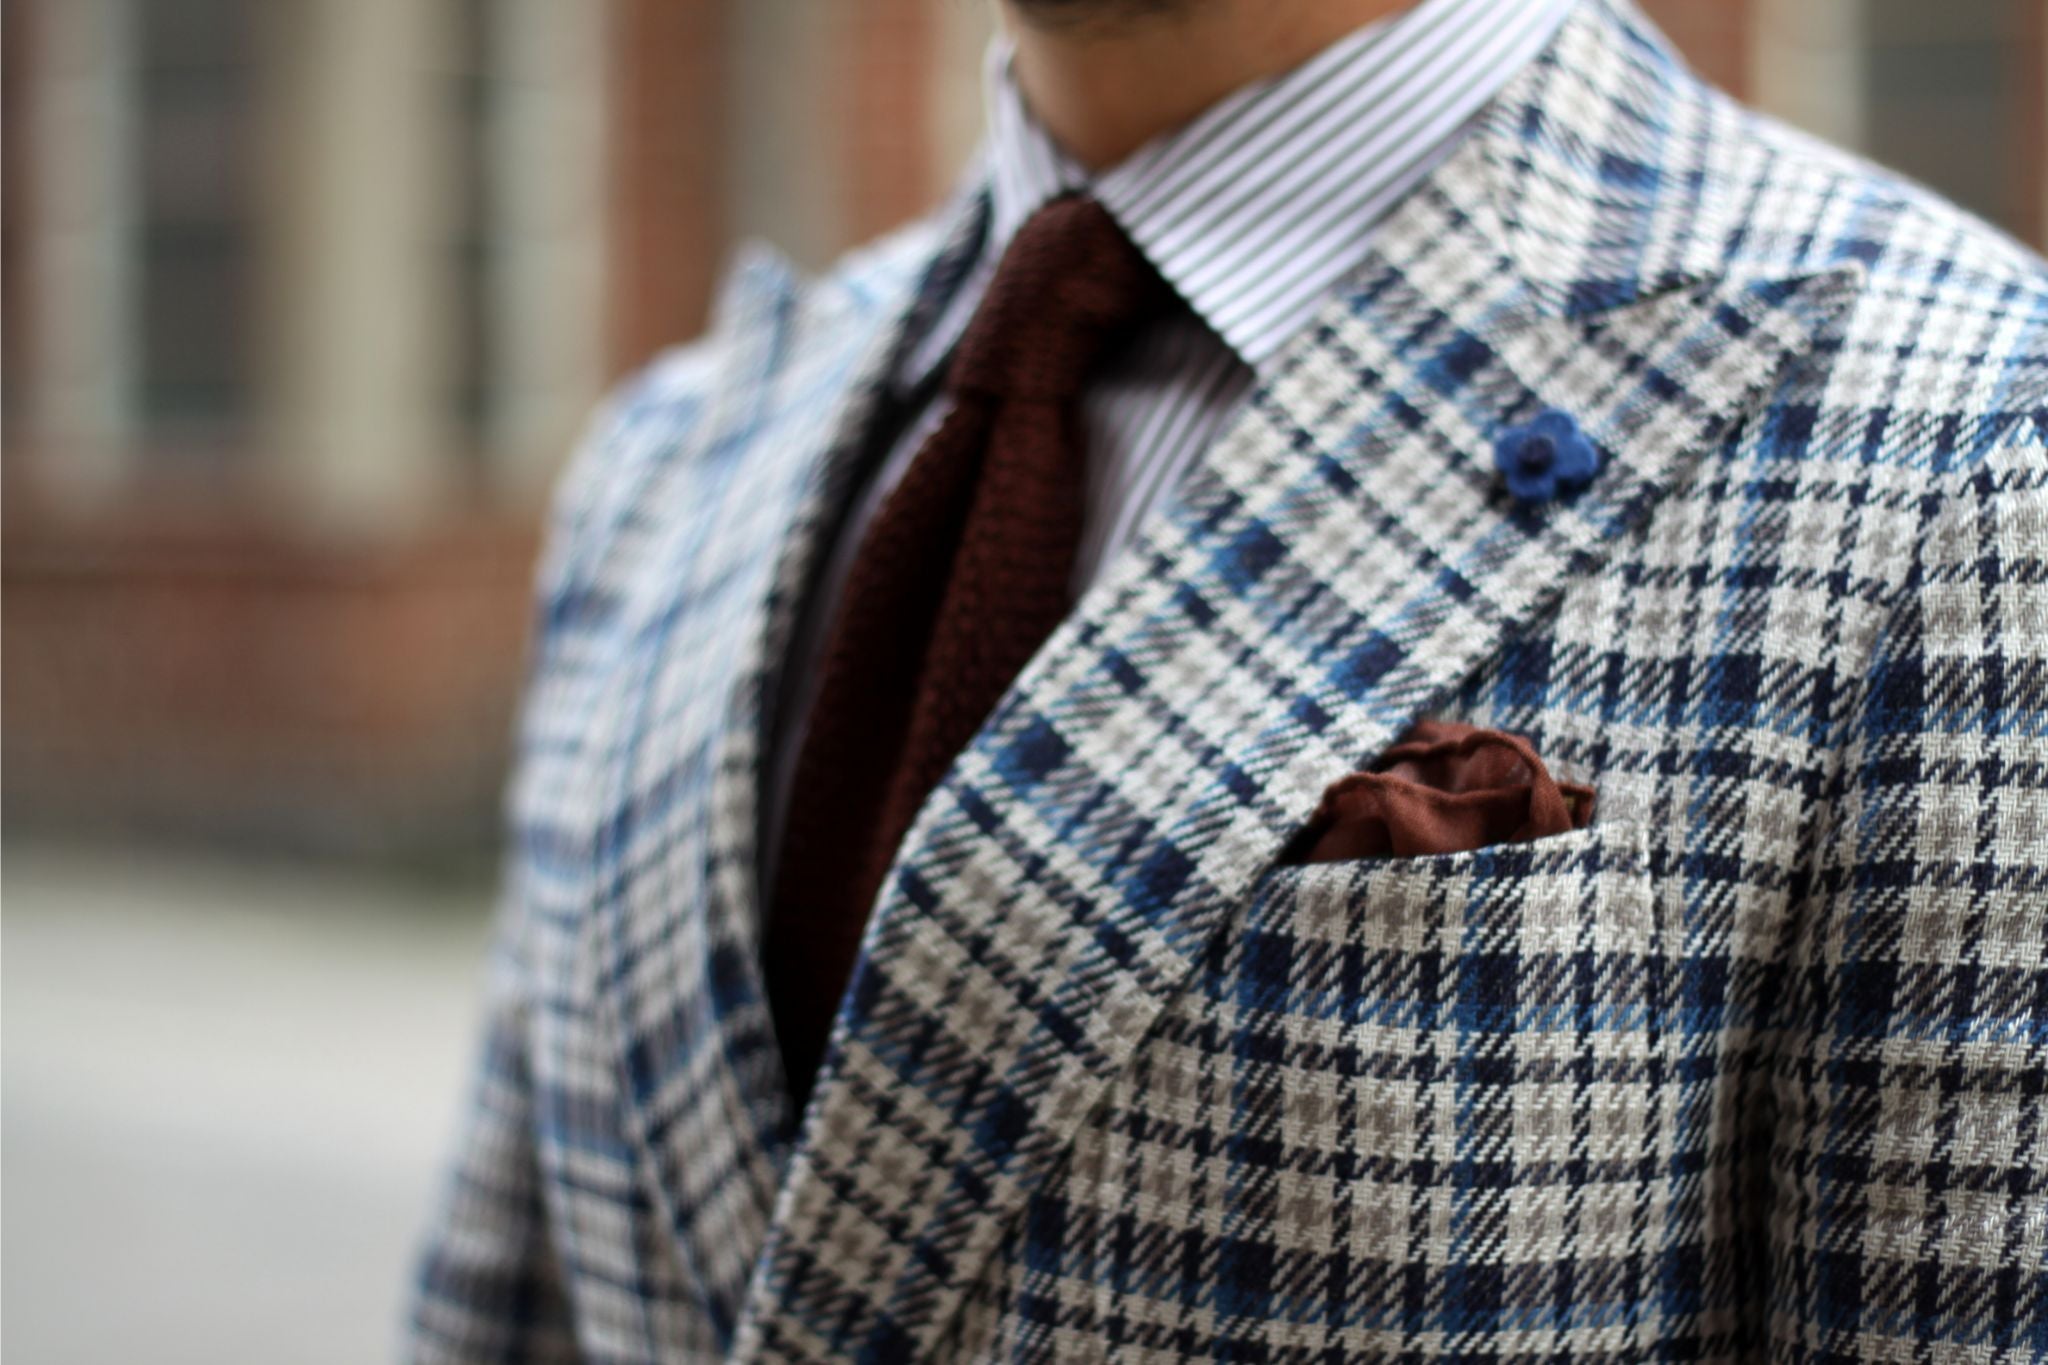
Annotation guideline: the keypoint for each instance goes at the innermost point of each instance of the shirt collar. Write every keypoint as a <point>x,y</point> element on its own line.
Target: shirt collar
<point>1257,209</point>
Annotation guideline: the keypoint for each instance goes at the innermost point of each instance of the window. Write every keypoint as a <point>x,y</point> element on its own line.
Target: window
<point>473,97</point>
<point>195,154</point>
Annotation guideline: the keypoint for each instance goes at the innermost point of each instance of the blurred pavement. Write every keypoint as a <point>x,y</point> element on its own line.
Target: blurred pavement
<point>227,1095</point>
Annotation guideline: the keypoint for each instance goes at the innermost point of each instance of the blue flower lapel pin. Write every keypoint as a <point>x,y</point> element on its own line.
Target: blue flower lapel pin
<point>1546,457</point>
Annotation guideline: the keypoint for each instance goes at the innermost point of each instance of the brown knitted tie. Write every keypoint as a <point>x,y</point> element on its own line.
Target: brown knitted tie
<point>960,577</point>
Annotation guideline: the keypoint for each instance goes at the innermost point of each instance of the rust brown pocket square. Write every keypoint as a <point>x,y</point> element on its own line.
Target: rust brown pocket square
<point>1445,788</point>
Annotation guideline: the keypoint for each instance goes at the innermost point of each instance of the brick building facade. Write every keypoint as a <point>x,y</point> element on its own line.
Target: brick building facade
<point>304,302</point>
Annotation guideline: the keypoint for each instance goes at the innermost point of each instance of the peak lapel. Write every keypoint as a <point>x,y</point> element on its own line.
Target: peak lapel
<point>1335,567</point>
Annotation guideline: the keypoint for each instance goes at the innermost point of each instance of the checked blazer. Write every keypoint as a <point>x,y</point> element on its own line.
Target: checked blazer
<point>1753,1068</point>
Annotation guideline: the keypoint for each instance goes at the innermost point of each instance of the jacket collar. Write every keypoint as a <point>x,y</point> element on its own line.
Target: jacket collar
<point>1338,564</point>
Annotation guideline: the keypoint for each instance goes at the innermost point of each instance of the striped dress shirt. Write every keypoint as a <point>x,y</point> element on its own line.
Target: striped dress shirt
<point>1253,213</point>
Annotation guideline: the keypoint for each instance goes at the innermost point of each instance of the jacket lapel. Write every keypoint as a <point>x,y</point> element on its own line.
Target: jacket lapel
<point>675,948</point>
<point>1337,566</point>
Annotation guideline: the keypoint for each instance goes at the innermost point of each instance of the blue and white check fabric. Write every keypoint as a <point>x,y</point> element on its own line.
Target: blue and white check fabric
<point>1755,1067</point>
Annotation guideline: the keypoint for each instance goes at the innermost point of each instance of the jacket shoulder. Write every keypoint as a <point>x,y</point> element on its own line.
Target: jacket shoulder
<point>1940,355</point>
<point>649,436</point>
<point>1820,204</point>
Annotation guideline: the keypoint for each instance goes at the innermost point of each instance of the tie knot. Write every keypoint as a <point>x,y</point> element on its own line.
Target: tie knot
<point>1069,285</point>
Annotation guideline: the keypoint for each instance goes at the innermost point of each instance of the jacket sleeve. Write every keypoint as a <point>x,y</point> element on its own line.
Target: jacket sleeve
<point>1910,1154</point>
<point>489,1287</point>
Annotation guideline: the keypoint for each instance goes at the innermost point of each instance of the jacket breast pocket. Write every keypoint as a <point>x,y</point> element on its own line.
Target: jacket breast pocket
<point>1407,1103</point>
<point>1498,1018</point>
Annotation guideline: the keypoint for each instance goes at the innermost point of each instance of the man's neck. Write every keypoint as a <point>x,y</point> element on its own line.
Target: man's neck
<point>1107,76</point>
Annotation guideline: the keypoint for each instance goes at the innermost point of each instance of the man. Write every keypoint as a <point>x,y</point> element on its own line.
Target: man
<point>1387,700</point>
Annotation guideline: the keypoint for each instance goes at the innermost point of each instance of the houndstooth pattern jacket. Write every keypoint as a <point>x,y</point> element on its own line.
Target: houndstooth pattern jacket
<point>1755,1067</point>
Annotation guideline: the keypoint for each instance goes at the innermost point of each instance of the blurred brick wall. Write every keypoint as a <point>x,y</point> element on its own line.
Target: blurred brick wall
<point>884,94</point>
<point>672,229</point>
<point>1715,36</point>
<point>218,677</point>
<point>667,126</point>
